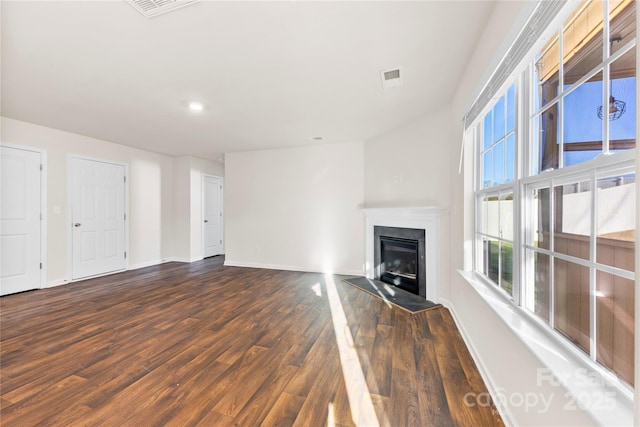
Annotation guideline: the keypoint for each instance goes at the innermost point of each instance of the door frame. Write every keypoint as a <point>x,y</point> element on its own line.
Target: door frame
<point>43,206</point>
<point>69,218</point>
<point>202,203</point>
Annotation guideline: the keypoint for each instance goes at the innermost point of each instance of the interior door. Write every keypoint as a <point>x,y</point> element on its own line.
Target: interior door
<point>98,217</point>
<point>20,224</point>
<point>212,215</point>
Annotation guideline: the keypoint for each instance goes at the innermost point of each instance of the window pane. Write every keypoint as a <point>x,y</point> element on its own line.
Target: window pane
<point>490,252</point>
<point>506,267</point>
<point>615,324</point>
<point>546,73</point>
<point>493,216</point>
<point>482,223</point>
<point>487,139</point>
<point>582,125</point>
<point>571,297</point>
<point>510,158</point>
<point>616,216</point>
<point>548,139</point>
<point>536,153</point>
<point>582,41</point>
<point>541,284</point>
<point>532,211</point>
<point>481,219</point>
<point>498,163</point>
<point>539,219</point>
<point>622,107</point>
<point>498,120</point>
<point>506,216</point>
<point>487,164</point>
<point>511,108</point>
<point>622,17</point>
<point>573,219</point>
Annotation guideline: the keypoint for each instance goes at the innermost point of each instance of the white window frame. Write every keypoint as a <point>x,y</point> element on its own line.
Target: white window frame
<point>506,187</point>
<point>605,164</point>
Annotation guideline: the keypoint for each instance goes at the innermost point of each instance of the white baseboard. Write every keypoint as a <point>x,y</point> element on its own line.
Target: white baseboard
<point>146,264</point>
<point>229,263</point>
<point>59,282</point>
<point>505,414</point>
<point>181,259</point>
<point>56,282</point>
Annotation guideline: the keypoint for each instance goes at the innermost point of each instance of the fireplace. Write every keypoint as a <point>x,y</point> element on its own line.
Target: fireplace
<point>399,258</point>
<point>426,220</point>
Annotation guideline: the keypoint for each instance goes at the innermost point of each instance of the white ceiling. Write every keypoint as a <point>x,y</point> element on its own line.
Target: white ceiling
<point>271,74</point>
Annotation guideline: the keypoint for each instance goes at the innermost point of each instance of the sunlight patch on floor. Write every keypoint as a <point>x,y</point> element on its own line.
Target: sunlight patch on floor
<point>362,410</point>
<point>383,296</point>
<point>331,416</point>
<point>317,289</point>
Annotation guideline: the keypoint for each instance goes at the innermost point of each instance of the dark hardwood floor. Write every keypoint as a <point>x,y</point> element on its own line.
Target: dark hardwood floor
<point>202,344</point>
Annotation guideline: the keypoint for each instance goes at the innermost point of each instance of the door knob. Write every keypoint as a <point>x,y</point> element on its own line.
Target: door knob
<point>206,220</point>
<point>77,224</point>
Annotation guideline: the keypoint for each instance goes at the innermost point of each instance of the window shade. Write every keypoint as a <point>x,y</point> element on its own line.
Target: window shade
<point>544,13</point>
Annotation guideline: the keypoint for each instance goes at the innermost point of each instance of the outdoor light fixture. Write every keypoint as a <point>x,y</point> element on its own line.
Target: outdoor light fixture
<point>616,107</point>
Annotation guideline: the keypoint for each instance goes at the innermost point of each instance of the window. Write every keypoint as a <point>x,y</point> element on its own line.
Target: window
<point>558,234</point>
<point>495,198</point>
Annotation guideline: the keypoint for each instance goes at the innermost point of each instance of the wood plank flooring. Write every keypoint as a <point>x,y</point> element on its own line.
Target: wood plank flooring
<point>203,344</point>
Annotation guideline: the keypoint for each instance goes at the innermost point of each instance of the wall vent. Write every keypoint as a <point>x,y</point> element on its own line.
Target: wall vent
<point>391,78</point>
<point>151,8</point>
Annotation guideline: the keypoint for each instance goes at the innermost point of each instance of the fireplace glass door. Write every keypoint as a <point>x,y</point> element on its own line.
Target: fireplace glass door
<point>399,263</point>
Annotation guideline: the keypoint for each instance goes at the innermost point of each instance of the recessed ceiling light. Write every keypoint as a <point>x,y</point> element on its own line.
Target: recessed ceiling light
<point>196,106</point>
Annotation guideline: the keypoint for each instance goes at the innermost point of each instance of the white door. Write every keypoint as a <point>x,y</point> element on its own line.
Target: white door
<point>98,217</point>
<point>212,215</point>
<point>20,224</point>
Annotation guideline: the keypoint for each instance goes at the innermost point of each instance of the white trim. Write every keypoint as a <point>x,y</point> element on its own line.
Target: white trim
<point>147,264</point>
<point>290,268</point>
<point>44,209</point>
<point>56,282</point>
<point>561,357</point>
<point>182,259</point>
<point>504,411</point>
<point>69,213</point>
<point>425,218</point>
<point>44,222</point>
<point>529,36</point>
<point>62,281</point>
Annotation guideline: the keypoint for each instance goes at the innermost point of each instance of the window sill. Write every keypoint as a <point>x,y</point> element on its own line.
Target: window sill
<point>596,391</point>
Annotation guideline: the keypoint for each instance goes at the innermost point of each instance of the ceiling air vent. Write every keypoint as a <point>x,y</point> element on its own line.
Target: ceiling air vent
<point>151,8</point>
<point>391,78</point>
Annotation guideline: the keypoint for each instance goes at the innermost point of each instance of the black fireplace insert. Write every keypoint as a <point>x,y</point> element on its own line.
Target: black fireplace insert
<point>400,258</point>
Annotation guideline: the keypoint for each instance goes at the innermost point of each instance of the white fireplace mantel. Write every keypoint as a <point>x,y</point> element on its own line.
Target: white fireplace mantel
<point>425,218</point>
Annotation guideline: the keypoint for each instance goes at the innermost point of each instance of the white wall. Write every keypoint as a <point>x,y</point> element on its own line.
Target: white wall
<point>404,167</point>
<point>182,208</point>
<point>296,208</point>
<point>150,192</point>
